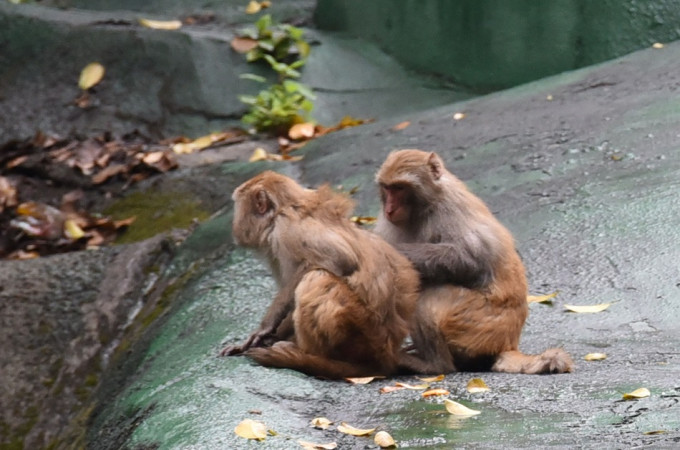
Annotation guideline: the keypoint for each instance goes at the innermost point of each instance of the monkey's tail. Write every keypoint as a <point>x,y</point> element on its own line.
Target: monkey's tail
<point>288,355</point>
<point>553,360</point>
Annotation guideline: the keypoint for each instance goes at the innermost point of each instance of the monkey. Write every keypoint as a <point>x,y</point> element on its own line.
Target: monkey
<point>473,301</point>
<point>349,295</point>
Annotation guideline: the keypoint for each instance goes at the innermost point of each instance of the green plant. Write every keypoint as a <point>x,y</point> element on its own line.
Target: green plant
<point>283,42</point>
<point>279,106</point>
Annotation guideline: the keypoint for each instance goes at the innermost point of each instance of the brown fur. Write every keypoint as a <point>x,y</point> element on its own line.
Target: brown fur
<point>350,293</point>
<point>474,297</point>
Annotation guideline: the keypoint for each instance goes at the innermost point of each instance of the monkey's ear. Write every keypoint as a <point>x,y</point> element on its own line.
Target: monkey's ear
<point>262,202</point>
<point>436,165</point>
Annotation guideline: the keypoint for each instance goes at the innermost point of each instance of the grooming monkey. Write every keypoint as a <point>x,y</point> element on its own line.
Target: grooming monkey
<point>473,301</point>
<point>351,294</point>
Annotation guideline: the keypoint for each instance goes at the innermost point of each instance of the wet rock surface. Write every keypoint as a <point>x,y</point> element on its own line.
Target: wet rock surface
<point>584,169</point>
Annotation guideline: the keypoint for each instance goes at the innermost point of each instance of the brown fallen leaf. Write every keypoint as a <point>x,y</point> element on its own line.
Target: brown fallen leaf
<point>384,440</point>
<point>401,126</point>
<point>348,429</point>
<point>91,75</point>
<point>243,44</point>
<point>415,387</point>
<point>388,389</point>
<point>109,172</point>
<point>251,429</point>
<point>435,392</point>
<point>477,385</point>
<point>8,194</point>
<point>304,130</point>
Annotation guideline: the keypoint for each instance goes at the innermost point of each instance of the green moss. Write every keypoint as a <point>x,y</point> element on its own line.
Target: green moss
<point>156,212</point>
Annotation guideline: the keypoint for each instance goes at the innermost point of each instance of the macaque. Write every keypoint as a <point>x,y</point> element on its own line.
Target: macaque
<point>473,300</point>
<point>350,295</point>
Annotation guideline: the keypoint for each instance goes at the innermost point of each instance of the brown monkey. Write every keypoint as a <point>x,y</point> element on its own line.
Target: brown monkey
<point>474,296</point>
<point>350,293</point>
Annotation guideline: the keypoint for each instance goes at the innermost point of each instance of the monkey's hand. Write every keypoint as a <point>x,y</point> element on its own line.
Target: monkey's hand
<point>256,339</point>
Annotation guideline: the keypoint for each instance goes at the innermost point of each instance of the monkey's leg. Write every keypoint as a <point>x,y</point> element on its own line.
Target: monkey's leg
<point>433,355</point>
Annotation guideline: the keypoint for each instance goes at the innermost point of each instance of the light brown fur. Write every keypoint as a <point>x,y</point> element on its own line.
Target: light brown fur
<point>351,294</point>
<point>473,303</point>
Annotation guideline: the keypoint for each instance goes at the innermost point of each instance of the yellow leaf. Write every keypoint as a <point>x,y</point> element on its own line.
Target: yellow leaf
<point>265,4</point>
<point>161,24</point>
<point>348,429</point>
<point>595,357</point>
<point>415,387</point>
<point>657,45</point>
<point>637,393</point>
<point>433,392</point>
<point>253,7</point>
<point>588,308</point>
<point>431,379</point>
<point>458,116</point>
<point>541,298</point>
<point>301,131</point>
<point>321,423</point>
<point>384,440</point>
<point>457,409</point>
<point>360,380</point>
<point>259,154</point>
<point>91,75</point>
<point>363,220</point>
<point>476,385</point>
<point>72,229</point>
<point>312,446</point>
<point>251,429</point>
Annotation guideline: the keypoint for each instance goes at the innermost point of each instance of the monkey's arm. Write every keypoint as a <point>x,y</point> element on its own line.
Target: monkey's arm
<point>280,308</point>
<point>449,263</point>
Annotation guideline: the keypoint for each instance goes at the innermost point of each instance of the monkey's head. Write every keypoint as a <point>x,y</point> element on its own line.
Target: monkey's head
<point>409,182</point>
<point>257,203</point>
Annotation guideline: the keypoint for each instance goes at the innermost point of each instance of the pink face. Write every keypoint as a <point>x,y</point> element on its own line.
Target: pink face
<point>395,204</point>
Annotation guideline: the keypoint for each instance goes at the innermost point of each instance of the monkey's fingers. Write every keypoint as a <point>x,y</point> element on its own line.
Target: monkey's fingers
<point>232,350</point>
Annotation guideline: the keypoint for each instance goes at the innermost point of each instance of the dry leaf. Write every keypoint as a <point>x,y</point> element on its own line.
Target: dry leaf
<point>432,379</point>
<point>388,389</point>
<point>657,45</point>
<point>476,385</point>
<point>363,220</point>
<point>384,440</point>
<point>401,125</point>
<point>72,230</point>
<point>415,387</point>
<point>320,422</point>
<point>549,97</point>
<point>458,116</point>
<point>595,357</point>
<point>434,392</point>
<point>301,131</point>
<point>541,298</point>
<point>251,429</point>
<point>457,409</point>
<point>253,7</point>
<point>360,380</point>
<point>587,308</point>
<point>161,24</point>
<point>312,446</point>
<point>243,44</point>
<point>655,432</point>
<point>637,393</point>
<point>348,429</point>
<point>91,75</point>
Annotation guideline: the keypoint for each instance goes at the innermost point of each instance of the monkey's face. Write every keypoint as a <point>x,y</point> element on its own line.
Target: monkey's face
<point>396,200</point>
